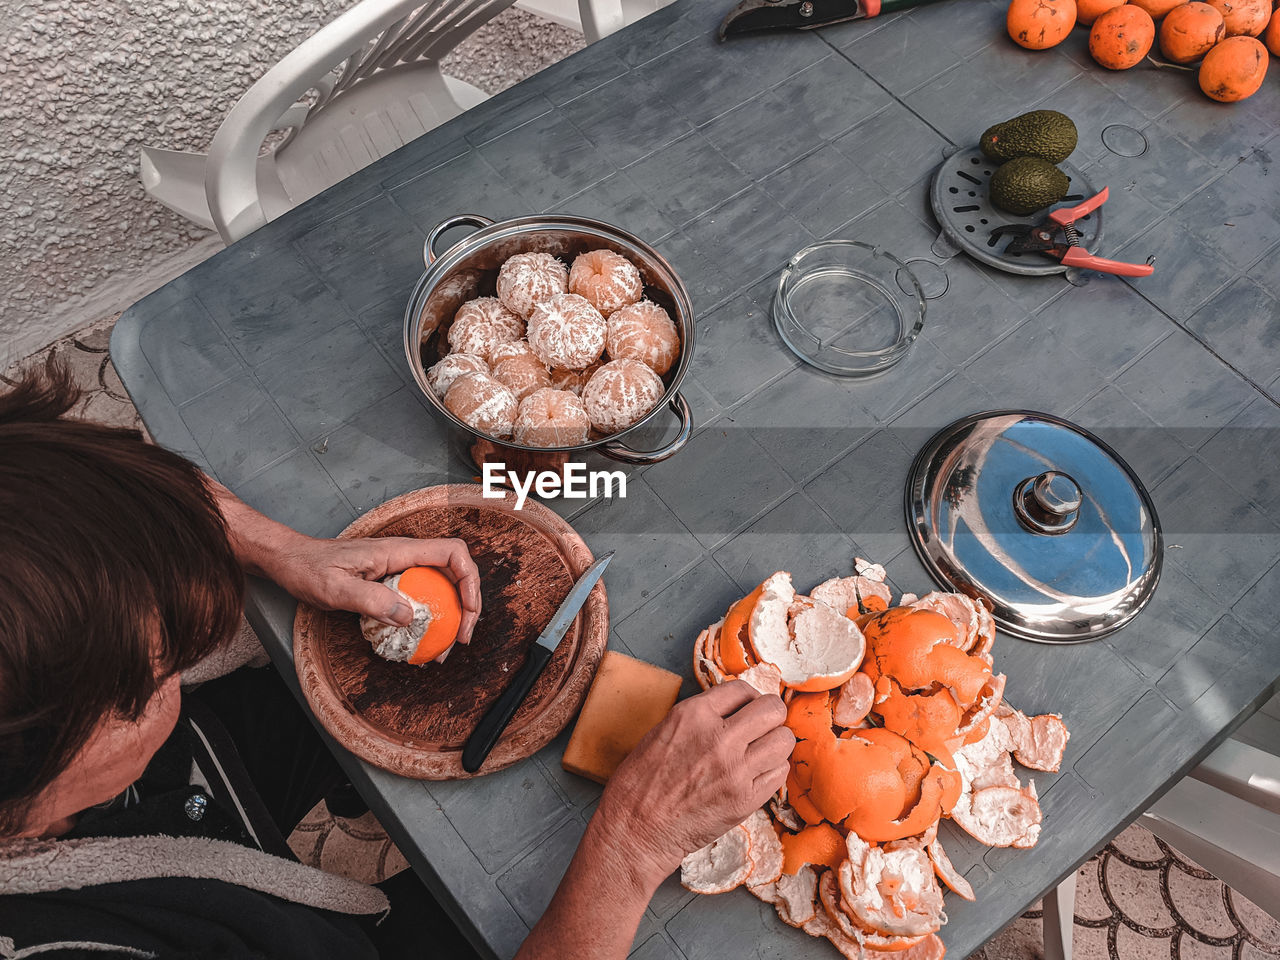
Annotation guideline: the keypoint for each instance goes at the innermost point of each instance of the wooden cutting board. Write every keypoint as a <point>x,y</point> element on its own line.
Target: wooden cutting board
<point>414,720</point>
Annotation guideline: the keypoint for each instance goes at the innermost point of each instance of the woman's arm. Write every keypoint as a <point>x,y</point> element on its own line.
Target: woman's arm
<point>343,574</point>
<point>714,759</point>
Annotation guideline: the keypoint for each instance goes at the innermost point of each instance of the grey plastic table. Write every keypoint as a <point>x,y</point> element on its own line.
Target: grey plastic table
<point>278,366</point>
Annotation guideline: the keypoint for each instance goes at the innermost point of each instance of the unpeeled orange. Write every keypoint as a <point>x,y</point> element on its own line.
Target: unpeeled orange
<point>1088,11</point>
<point>1040,24</point>
<point>1243,18</point>
<point>1120,38</point>
<point>1156,8</point>
<point>1271,36</point>
<point>1234,69</point>
<point>1190,31</point>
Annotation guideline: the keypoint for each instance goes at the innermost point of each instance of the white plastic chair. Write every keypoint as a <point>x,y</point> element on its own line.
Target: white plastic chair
<point>594,19</point>
<point>375,83</point>
<point>1225,815</point>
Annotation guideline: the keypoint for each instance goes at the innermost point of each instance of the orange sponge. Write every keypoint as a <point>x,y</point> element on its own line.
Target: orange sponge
<point>628,698</point>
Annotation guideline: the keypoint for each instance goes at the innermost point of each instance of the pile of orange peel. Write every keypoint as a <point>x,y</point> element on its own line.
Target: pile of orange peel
<point>900,722</point>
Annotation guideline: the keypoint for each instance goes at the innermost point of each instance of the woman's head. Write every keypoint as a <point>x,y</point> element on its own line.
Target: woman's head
<point>115,574</point>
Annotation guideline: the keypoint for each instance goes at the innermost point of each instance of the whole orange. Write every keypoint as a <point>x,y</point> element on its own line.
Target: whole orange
<point>1271,36</point>
<point>1233,69</point>
<point>1088,11</point>
<point>1157,8</point>
<point>1040,24</point>
<point>1120,38</point>
<point>1190,31</point>
<point>1244,18</point>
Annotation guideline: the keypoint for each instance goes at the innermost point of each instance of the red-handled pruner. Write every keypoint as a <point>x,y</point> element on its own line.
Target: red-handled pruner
<point>1057,237</point>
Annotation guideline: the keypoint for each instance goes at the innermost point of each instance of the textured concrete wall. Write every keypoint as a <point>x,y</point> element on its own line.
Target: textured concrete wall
<point>84,83</point>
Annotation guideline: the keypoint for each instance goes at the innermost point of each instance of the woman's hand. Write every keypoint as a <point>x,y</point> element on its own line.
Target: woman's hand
<point>342,575</point>
<point>715,758</point>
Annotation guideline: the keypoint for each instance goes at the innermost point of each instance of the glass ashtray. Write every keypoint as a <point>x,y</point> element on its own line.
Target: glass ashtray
<point>848,308</point>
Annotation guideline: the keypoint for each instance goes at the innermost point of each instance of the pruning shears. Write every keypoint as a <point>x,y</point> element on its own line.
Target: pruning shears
<point>751,16</point>
<point>1057,237</point>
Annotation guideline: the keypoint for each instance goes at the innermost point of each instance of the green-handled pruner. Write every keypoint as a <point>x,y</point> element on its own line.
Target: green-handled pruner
<point>751,16</point>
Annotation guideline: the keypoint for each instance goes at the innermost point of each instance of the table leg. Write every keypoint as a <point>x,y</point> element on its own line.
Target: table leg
<point>1059,917</point>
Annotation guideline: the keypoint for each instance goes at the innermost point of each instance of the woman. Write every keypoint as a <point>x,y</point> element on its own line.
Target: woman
<point>143,820</point>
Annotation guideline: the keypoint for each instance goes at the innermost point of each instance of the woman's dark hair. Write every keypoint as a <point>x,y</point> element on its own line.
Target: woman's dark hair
<point>115,573</point>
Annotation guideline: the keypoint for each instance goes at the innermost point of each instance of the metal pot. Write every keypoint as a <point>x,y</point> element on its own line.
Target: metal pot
<point>469,269</point>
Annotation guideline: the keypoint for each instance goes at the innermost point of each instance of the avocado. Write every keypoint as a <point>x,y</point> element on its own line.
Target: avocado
<point>1027,184</point>
<point>1046,134</point>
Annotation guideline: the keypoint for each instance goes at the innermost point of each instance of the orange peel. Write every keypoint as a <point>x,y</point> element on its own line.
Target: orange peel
<point>938,788</point>
<point>734,651</point>
<point>919,648</point>
<point>795,898</point>
<point>703,655</point>
<point>428,587</point>
<point>926,719</point>
<point>814,646</point>
<point>852,775</point>
<point>853,596</point>
<point>766,850</point>
<point>890,890</point>
<point>912,729</point>
<point>818,845</point>
<point>805,809</point>
<point>763,678</point>
<point>809,715</point>
<point>797,786</point>
<point>999,817</point>
<point>975,629</point>
<point>989,700</point>
<point>947,872</point>
<point>854,700</point>
<point>1038,742</point>
<point>850,937</point>
<point>720,866</point>
<point>927,948</point>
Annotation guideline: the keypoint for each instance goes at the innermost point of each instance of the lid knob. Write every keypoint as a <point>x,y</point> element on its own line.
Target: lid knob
<point>1048,503</point>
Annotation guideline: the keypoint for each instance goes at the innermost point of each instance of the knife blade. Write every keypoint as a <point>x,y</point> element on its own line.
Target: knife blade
<point>751,16</point>
<point>489,729</point>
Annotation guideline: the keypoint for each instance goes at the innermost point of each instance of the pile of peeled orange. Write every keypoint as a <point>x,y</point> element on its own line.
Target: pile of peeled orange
<point>1225,41</point>
<point>900,722</point>
<point>560,355</point>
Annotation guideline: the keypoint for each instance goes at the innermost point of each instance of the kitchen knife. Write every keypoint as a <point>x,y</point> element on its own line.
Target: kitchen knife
<point>496,718</point>
<point>750,16</point>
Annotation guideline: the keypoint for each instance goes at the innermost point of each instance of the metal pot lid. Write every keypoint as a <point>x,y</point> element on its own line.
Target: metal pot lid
<point>1040,519</point>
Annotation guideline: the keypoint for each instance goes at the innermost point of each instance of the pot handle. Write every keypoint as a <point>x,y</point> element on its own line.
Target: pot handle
<point>465,219</point>
<point>625,454</point>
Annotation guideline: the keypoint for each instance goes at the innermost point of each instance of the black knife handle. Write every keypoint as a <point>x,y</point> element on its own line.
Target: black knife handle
<point>489,729</point>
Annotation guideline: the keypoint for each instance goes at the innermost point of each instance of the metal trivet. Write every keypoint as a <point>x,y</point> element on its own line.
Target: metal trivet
<point>967,218</point>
